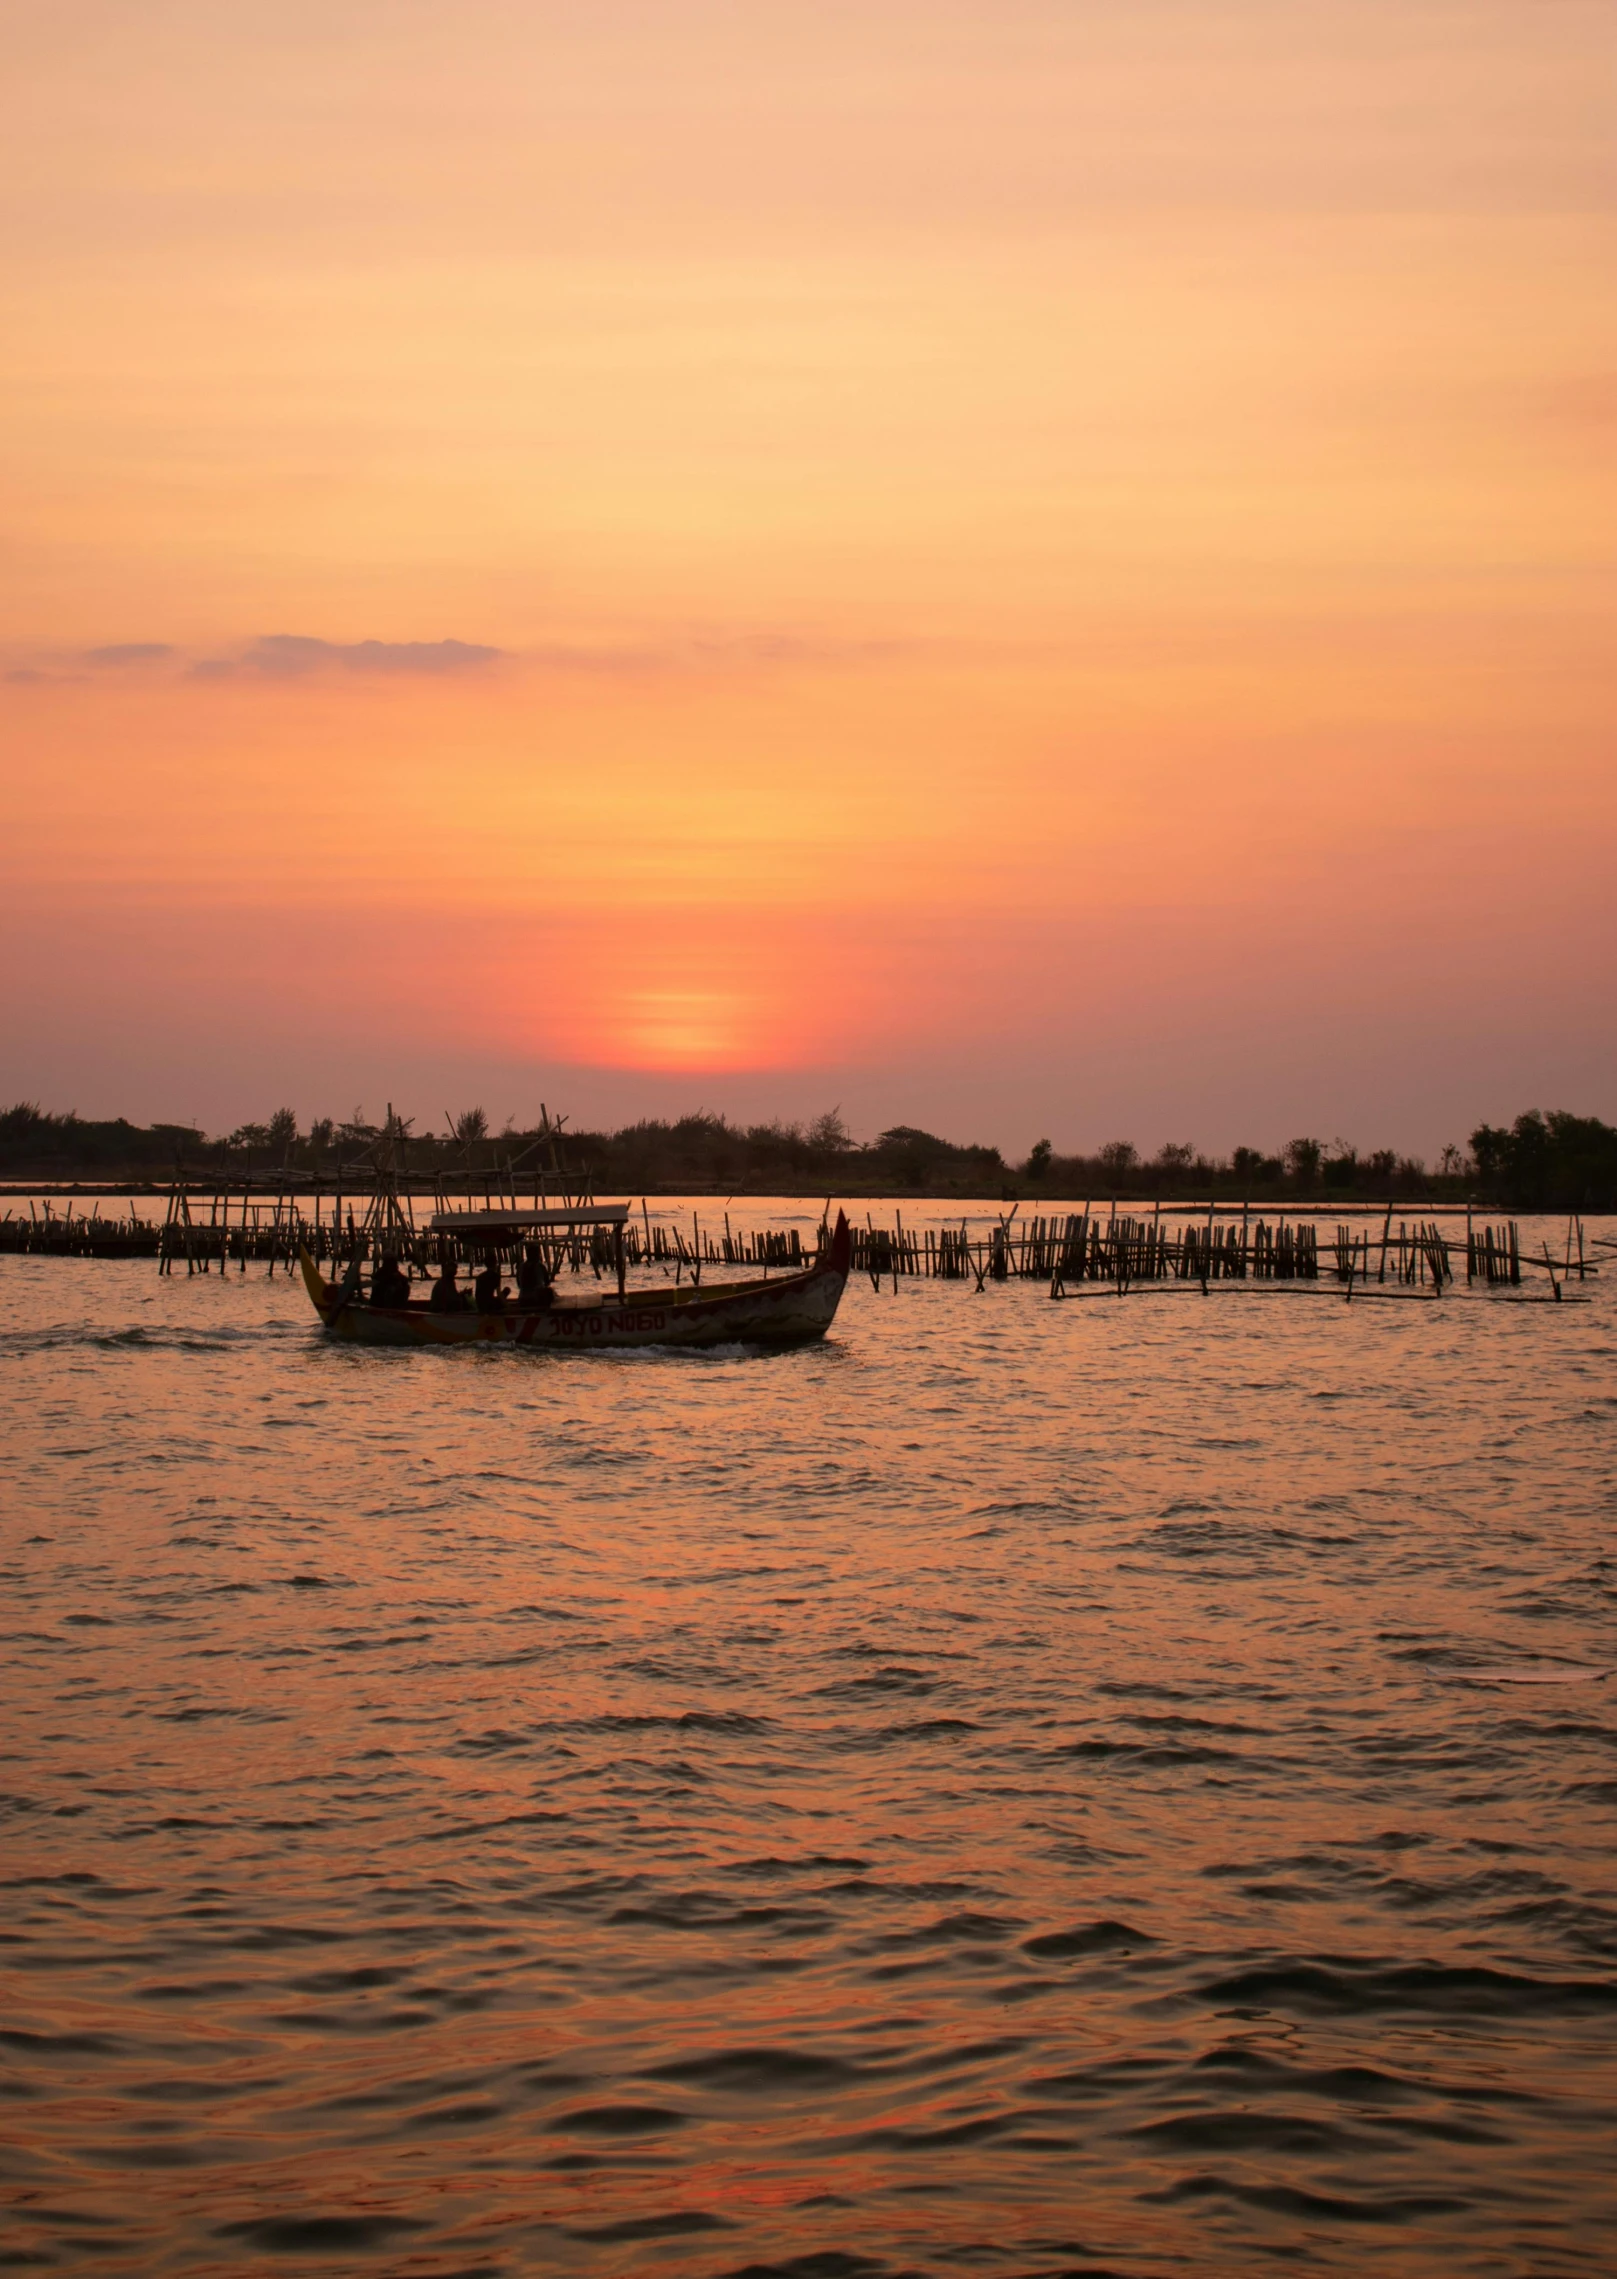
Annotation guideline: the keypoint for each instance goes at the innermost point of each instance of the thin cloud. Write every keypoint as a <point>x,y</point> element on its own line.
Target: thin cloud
<point>286,657</point>
<point>117,654</point>
<point>293,656</point>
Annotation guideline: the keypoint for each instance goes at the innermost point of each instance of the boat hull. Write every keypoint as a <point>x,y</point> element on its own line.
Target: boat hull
<point>790,1309</point>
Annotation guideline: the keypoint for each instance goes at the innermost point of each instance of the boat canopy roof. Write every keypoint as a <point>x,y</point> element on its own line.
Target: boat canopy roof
<point>491,1221</point>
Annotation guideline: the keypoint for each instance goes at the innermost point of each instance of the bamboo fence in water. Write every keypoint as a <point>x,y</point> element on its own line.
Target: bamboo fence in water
<point>1080,1253</point>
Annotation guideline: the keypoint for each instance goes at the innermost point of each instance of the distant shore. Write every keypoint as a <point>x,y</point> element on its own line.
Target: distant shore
<point>1542,1161</point>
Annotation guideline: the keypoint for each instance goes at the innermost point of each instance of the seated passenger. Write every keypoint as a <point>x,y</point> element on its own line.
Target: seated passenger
<point>390,1285</point>
<point>486,1290</point>
<point>445,1298</point>
<point>534,1291</point>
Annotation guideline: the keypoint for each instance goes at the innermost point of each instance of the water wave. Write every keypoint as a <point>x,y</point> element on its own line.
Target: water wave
<point>1023,1790</point>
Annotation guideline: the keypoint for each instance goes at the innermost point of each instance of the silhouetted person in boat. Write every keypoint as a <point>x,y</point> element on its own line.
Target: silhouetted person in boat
<point>350,1288</point>
<point>390,1285</point>
<point>445,1299</point>
<point>486,1289</point>
<point>534,1291</point>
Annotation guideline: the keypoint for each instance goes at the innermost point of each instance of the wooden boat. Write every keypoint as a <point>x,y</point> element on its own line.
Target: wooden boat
<point>774,1310</point>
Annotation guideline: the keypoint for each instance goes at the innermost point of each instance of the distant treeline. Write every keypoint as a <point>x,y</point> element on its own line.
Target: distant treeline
<point>1541,1162</point>
<point>37,1146</point>
<point>1552,1161</point>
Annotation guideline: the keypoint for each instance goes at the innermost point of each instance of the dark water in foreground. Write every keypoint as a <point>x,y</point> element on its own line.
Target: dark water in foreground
<point>997,1794</point>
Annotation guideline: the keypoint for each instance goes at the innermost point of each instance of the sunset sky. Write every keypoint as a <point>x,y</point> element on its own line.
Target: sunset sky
<point>1045,568</point>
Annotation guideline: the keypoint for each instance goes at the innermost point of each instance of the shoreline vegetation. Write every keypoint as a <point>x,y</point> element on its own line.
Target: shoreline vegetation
<point>1550,1160</point>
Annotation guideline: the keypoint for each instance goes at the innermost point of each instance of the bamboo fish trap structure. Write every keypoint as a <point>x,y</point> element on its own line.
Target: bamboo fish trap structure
<point>1083,1253</point>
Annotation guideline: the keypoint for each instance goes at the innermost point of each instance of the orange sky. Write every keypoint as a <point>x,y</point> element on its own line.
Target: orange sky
<point>1034,569</point>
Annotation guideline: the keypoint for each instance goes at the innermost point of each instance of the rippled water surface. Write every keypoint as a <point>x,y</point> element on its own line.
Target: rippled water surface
<point>1021,1788</point>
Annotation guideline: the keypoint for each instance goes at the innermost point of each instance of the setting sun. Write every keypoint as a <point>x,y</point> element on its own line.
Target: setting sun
<point>1083,523</point>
